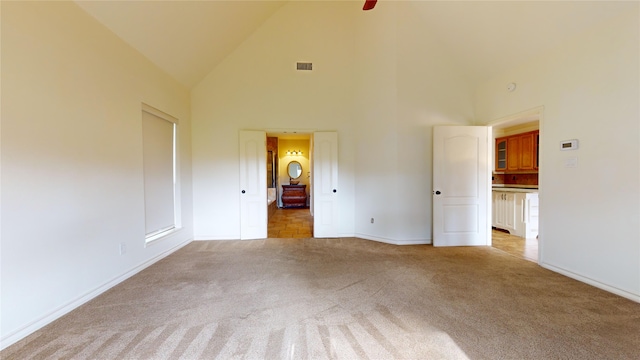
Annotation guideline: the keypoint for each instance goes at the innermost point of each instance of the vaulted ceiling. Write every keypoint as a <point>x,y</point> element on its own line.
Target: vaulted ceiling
<point>188,39</point>
<point>185,38</point>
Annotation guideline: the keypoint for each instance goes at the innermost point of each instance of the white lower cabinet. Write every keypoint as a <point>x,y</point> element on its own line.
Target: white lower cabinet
<point>504,210</point>
<point>530,215</point>
<point>516,212</point>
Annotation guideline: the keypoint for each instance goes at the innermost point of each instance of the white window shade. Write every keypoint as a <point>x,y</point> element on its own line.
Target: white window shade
<point>158,158</point>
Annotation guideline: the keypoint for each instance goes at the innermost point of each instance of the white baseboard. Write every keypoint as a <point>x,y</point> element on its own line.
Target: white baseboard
<point>393,241</point>
<point>214,237</point>
<point>37,324</point>
<point>586,280</point>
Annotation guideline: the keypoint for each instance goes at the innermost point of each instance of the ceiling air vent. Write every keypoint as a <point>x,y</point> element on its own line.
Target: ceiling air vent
<point>304,66</point>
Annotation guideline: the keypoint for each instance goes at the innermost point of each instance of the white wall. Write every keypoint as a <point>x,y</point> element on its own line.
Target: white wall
<point>257,87</point>
<point>406,84</point>
<point>72,182</point>
<point>589,220</point>
<point>377,81</point>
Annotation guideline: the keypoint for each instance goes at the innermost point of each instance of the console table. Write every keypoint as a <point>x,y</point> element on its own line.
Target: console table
<point>294,196</point>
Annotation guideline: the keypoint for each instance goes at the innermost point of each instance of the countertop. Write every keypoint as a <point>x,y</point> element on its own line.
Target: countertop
<point>515,188</point>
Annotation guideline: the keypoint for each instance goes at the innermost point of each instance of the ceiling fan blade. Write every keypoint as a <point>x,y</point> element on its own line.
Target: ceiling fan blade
<point>369,4</point>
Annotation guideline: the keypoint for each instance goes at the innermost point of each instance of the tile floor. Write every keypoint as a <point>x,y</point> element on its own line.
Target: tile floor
<point>523,248</point>
<point>290,223</point>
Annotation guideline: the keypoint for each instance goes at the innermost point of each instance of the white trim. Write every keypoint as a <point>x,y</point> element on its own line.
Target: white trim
<point>37,324</point>
<point>176,178</point>
<point>526,116</point>
<point>394,242</point>
<point>215,237</point>
<point>159,113</point>
<point>162,234</point>
<point>360,236</point>
<point>536,113</point>
<point>589,281</point>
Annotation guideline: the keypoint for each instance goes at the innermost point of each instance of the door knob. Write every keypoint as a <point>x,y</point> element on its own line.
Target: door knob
<point>243,191</point>
<point>437,192</point>
<point>334,190</point>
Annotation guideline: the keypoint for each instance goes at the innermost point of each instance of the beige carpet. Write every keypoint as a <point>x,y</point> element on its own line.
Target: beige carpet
<point>344,299</point>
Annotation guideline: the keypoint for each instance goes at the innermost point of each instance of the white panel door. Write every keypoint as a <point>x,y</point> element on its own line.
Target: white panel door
<point>461,186</point>
<point>253,185</point>
<point>325,184</point>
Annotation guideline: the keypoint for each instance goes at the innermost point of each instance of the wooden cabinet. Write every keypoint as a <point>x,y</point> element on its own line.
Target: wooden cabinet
<point>517,152</point>
<point>501,154</point>
<point>536,151</point>
<point>513,153</point>
<point>527,152</point>
<point>294,196</point>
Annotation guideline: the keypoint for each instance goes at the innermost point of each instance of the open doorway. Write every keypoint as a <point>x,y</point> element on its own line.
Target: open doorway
<point>515,186</point>
<point>289,185</point>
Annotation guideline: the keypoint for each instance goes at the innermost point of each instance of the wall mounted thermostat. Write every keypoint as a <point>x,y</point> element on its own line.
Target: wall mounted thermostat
<point>569,144</point>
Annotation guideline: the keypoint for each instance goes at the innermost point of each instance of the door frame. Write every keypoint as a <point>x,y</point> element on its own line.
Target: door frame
<point>310,133</point>
<point>284,132</point>
<point>533,114</point>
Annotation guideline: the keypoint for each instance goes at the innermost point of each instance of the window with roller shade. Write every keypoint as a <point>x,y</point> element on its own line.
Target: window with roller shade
<point>158,151</point>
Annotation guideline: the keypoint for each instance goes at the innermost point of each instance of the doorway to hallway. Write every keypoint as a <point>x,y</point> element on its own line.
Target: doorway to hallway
<point>291,223</point>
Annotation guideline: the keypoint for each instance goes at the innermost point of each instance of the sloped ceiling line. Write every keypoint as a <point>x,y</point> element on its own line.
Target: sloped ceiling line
<point>188,39</point>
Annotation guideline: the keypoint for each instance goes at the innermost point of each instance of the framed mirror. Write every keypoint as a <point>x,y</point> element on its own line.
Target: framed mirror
<point>294,169</point>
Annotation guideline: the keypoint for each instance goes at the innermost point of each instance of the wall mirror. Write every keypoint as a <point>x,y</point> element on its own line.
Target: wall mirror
<point>294,169</point>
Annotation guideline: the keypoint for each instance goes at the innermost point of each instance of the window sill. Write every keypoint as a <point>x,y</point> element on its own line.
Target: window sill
<point>161,235</point>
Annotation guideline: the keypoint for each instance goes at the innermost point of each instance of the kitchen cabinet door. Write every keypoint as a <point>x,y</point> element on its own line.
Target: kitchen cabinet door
<point>497,210</point>
<point>513,153</point>
<point>511,215</point>
<point>501,154</point>
<point>536,151</point>
<point>527,151</point>
<point>504,211</point>
<point>517,152</point>
<point>530,214</point>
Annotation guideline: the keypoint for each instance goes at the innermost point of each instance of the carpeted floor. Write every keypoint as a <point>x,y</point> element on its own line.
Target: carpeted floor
<point>345,299</point>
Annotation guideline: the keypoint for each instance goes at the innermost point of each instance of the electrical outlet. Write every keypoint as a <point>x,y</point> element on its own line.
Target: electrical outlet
<point>123,248</point>
<point>372,220</point>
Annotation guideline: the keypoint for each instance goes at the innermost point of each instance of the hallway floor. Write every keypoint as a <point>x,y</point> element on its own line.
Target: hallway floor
<point>523,248</point>
<point>298,224</point>
<point>290,223</point>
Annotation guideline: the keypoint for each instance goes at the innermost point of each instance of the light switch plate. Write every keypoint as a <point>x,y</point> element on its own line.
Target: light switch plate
<point>571,162</point>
